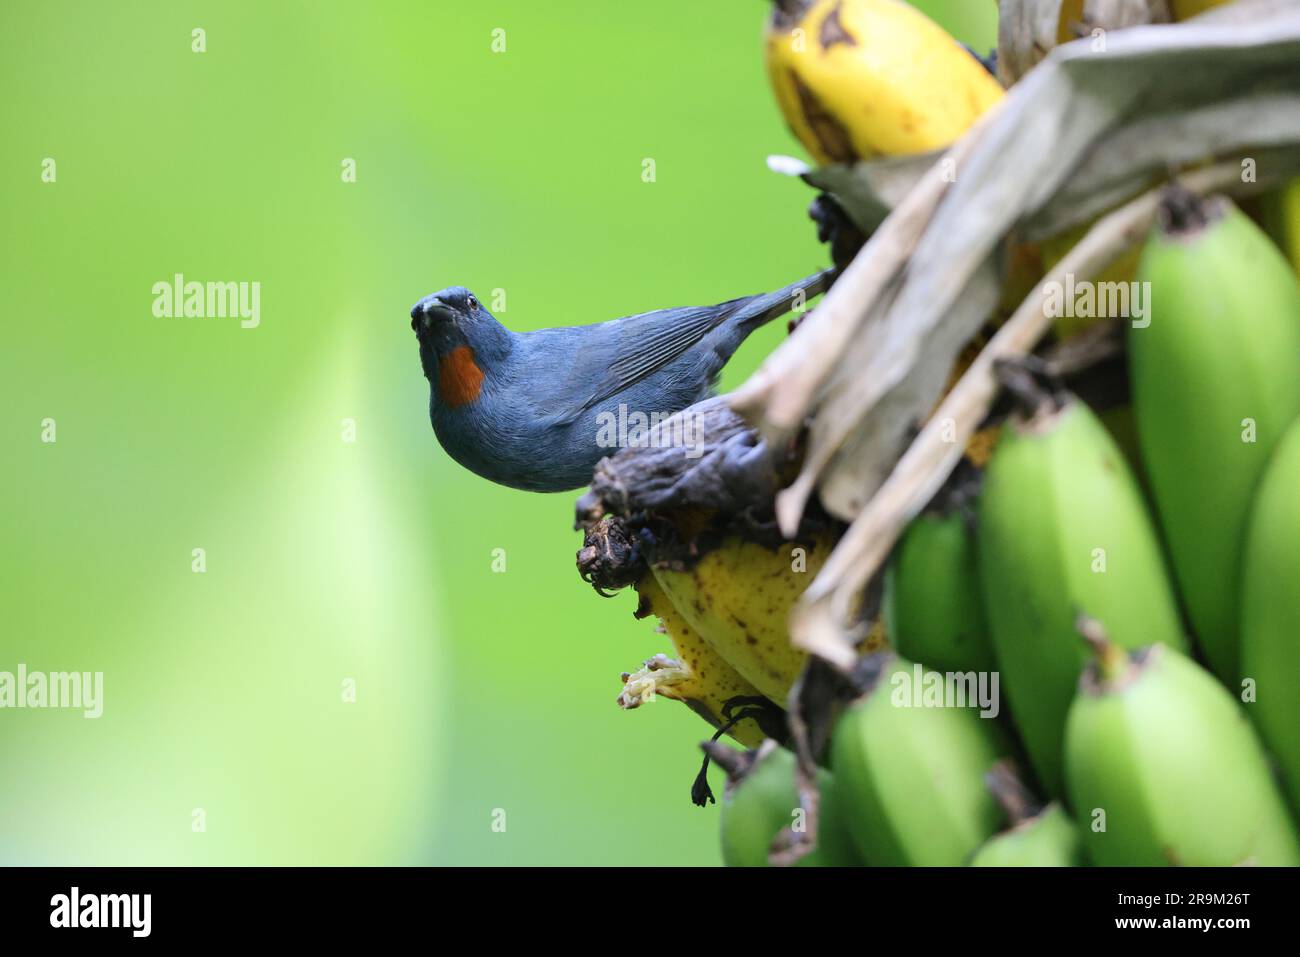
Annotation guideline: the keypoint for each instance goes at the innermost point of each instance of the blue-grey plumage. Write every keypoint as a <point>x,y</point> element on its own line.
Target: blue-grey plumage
<point>534,410</point>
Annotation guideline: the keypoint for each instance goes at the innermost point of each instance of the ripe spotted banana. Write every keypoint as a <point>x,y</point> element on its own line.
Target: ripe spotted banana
<point>1063,530</point>
<point>862,78</point>
<point>762,801</point>
<point>698,676</point>
<point>1164,768</point>
<point>1215,384</point>
<point>909,778</point>
<point>932,606</point>
<point>738,597</point>
<point>1270,607</point>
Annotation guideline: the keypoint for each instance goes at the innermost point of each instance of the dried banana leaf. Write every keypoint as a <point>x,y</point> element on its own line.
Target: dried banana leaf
<point>1029,29</point>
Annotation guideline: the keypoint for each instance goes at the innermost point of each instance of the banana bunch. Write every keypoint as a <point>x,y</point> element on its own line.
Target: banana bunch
<point>1215,384</point>
<point>760,801</point>
<point>1270,612</point>
<point>857,79</point>
<point>909,777</point>
<point>1069,590</point>
<point>1164,768</point>
<point>1104,549</point>
<point>1063,530</point>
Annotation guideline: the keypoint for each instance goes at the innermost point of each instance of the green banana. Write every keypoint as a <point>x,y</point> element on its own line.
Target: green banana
<point>761,800</point>
<point>910,778</point>
<point>1215,384</point>
<point>1164,768</point>
<point>932,605</point>
<point>1048,839</point>
<point>1038,836</point>
<point>1270,609</point>
<point>1063,530</point>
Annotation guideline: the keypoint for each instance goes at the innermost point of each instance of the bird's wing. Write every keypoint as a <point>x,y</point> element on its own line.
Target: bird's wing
<point>646,343</point>
<point>646,348</point>
<point>643,345</point>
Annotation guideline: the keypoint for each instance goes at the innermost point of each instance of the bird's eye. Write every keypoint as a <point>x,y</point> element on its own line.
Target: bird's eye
<point>473,303</point>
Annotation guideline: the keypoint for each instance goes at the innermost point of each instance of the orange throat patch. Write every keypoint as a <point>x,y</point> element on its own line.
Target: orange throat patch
<point>459,378</point>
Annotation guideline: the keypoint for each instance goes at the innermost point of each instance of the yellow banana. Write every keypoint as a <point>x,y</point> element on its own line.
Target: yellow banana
<point>862,78</point>
<point>738,597</point>
<point>698,677</point>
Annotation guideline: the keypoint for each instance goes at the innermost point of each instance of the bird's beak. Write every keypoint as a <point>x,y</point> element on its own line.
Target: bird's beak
<point>427,310</point>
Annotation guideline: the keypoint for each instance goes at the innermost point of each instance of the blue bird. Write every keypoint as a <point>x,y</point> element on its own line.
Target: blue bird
<point>534,410</point>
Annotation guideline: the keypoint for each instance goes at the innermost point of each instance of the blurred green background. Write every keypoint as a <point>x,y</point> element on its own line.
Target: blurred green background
<point>330,561</point>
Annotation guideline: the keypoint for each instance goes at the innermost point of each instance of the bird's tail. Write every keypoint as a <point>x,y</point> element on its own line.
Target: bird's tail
<point>773,305</point>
